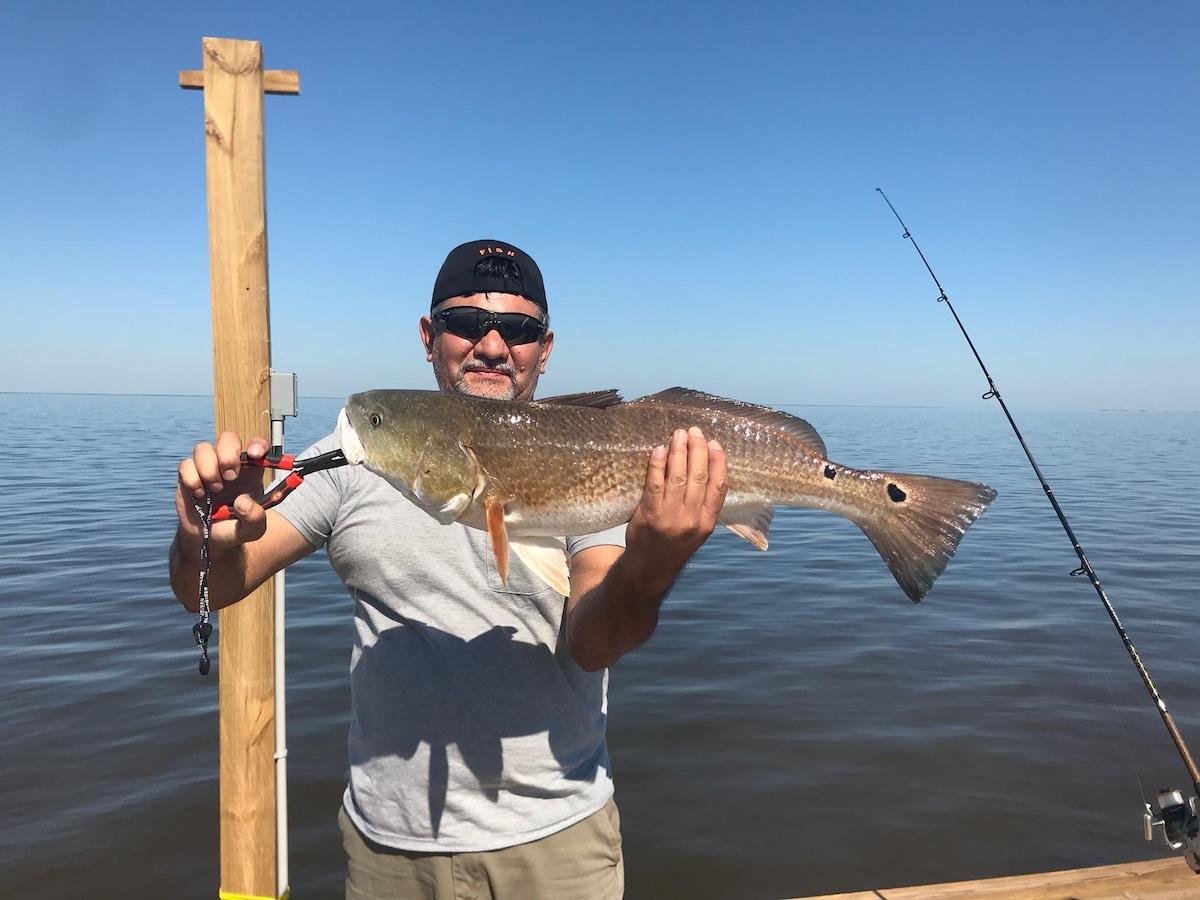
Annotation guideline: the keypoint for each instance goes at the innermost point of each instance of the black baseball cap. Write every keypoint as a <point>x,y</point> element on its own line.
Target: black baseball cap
<point>457,276</point>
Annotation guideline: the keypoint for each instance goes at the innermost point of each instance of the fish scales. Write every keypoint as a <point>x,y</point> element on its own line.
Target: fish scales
<point>572,470</point>
<point>576,465</point>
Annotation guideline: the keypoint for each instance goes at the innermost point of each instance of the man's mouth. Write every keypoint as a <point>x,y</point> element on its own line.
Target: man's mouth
<point>489,373</point>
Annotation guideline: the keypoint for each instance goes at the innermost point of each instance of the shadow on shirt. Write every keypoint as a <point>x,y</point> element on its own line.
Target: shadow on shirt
<point>434,687</point>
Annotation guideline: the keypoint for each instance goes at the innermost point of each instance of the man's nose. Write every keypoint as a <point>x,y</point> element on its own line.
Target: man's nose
<point>491,345</point>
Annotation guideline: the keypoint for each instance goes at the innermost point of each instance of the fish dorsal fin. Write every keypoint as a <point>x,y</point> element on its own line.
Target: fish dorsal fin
<point>763,415</point>
<point>593,399</point>
<point>546,557</point>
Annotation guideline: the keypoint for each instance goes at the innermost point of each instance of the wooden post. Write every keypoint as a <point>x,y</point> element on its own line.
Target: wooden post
<point>233,82</point>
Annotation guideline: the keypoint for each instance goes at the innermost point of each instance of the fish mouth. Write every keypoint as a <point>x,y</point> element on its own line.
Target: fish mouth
<point>352,447</point>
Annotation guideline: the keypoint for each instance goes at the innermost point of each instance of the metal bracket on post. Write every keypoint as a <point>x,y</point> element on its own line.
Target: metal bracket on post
<point>283,391</point>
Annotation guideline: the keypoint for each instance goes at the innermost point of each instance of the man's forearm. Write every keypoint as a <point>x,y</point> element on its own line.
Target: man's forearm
<point>620,612</point>
<point>681,504</point>
<point>226,574</point>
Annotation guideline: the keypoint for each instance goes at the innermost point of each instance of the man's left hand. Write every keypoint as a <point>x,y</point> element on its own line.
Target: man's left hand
<point>685,489</point>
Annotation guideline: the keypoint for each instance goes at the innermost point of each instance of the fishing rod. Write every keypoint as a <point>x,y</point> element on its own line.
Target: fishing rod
<point>1180,820</point>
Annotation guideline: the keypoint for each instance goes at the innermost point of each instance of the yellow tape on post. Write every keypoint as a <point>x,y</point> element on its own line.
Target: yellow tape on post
<point>225,895</point>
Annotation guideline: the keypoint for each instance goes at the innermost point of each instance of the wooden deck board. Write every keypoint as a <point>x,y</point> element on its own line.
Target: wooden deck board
<point>1159,879</point>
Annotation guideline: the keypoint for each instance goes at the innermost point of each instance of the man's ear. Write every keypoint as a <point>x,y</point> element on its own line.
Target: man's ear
<point>426,328</point>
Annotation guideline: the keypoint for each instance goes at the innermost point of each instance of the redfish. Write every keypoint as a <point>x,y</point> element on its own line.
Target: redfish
<point>530,472</point>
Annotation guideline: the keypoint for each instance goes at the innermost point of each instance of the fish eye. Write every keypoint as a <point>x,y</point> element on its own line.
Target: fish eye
<point>375,419</point>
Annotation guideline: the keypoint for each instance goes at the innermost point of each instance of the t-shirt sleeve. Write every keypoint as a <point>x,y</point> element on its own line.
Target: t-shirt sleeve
<point>312,507</point>
<point>613,537</point>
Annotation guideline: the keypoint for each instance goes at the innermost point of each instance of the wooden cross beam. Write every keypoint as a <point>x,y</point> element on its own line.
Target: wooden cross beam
<point>233,82</point>
<point>275,81</point>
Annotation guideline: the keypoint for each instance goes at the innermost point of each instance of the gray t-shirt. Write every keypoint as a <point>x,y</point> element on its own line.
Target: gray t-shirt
<point>471,727</point>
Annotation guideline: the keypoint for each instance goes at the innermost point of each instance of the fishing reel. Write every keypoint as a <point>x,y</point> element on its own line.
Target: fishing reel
<point>1180,823</point>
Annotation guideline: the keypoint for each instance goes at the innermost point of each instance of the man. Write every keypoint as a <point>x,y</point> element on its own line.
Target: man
<point>478,764</point>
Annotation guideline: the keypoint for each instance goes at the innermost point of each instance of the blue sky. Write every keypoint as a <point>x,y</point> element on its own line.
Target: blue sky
<point>697,181</point>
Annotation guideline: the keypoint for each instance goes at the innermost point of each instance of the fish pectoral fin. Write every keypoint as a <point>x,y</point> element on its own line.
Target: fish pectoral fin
<point>499,535</point>
<point>749,522</point>
<point>546,557</point>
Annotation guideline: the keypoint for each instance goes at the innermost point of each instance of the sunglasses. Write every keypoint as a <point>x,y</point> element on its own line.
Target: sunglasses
<point>473,323</point>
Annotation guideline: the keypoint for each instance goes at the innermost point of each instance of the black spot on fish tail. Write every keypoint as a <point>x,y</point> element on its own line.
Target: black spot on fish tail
<point>918,532</point>
<point>830,472</point>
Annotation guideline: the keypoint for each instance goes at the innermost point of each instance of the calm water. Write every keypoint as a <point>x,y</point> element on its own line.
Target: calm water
<point>796,726</point>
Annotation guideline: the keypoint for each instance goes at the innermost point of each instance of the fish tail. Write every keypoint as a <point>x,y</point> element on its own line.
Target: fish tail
<point>920,524</point>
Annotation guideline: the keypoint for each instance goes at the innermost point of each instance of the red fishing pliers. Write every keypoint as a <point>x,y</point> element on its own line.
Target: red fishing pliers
<point>296,469</point>
<point>275,459</point>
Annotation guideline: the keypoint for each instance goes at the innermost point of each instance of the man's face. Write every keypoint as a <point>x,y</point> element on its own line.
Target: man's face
<point>488,367</point>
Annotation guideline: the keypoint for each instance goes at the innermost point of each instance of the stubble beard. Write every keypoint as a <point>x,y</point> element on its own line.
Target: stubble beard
<point>495,390</point>
<point>457,381</point>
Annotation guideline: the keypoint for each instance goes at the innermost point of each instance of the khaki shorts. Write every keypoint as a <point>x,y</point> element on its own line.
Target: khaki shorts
<point>582,862</point>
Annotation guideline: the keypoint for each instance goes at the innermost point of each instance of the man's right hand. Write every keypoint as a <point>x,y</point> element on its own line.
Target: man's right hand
<point>244,551</point>
<point>218,470</point>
